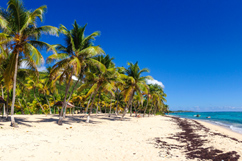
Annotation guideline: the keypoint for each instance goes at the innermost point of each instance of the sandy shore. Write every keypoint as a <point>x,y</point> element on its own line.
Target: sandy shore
<point>155,138</point>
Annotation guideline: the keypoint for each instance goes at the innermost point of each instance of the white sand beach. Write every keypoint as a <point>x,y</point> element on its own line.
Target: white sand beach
<point>151,138</point>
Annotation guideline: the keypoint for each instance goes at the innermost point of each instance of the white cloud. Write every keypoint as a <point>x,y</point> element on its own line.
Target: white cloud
<point>156,82</point>
<point>74,78</point>
<point>40,69</point>
<point>23,65</point>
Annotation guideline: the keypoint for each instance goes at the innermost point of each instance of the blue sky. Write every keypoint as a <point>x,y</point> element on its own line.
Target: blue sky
<point>193,47</point>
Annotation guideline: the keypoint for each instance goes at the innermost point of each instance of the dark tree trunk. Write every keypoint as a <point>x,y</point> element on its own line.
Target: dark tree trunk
<point>4,113</point>
<point>116,111</point>
<point>110,110</point>
<point>7,105</point>
<point>130,109</point>
<point>98,104</point>
<point>135,110</point>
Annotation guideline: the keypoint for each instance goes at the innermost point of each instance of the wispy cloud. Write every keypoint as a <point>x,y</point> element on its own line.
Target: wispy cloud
<point>156,82</point>
<point>42,68</point>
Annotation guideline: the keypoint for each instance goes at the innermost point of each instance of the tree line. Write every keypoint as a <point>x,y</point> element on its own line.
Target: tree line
<point>79,72</point>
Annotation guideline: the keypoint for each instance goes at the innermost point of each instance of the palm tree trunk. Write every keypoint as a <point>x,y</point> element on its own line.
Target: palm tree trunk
<point>89,103</point>
<point>155,110</point>
<point>64,102</point>
<point>38,101</point>
<point>27,107</point>
<point>135,110</point>
<point>130,110</point>
<point>7,105</point>
<point>71,93</point>
<point>13,124</point>
<point>4,113</point>
<point>20,106</point>
<point>110,110</point>
<point>98,104</point>
<point>48,103</point>
<point>146,106</point>
<point>116,111</point>
<point>89,113</point>
<point>126,108</point>
<point>149,114</point>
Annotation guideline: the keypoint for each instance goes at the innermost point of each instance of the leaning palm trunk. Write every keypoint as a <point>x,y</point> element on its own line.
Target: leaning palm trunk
<point>13,124</point>
<point>126,108</point>
<point>110,110</point>
<point>88,103</point>
<point>48,103</point>
<point>89,113</point>
<point>116,111</point>
<point>98,104</point>
<point>64,102</point>
<point>131,109</point>
<point>4,113</point>
<point>39,102</point>
<point>71,94</point>
<point>22,111</point>
<point>146,106</point>
<point>27,106</point>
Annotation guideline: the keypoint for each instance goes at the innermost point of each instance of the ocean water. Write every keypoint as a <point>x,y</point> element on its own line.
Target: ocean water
<point>231,120</point>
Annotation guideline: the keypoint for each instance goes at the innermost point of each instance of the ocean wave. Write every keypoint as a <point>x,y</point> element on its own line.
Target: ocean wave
<point>236,129</point>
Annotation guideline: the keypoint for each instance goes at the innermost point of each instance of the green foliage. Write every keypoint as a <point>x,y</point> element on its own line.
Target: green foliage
<point>36,92</point>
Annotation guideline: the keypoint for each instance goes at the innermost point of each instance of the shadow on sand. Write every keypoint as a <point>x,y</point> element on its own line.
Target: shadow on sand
<point>26,120</point>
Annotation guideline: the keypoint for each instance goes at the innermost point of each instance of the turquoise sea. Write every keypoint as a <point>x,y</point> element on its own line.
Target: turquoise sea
<point>231,120</point>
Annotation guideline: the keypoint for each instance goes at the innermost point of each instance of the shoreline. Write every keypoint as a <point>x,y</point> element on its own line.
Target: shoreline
<point>164,138</point>
<point>219,124</point>
<point>221,129</point>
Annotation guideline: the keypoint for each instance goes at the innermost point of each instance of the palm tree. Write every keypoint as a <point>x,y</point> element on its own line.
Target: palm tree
<point>74,58</point>
<point>19,28</point>
<point>33,84</point>
<point>135,83</point>
<point>137,101</point>
<point>45,91</point>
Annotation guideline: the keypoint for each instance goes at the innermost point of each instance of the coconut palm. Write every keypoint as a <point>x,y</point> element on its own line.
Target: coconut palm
<point>73,58</point>
<point>33,84</point>
<point>101,80</point>
<point>135,83</point>
<point>137,101</point>
<point>19,29</point>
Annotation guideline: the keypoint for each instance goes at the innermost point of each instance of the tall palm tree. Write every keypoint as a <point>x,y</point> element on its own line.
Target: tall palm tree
<point>135,83</point>
<point>19,28</point>
<point>73,58</point>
